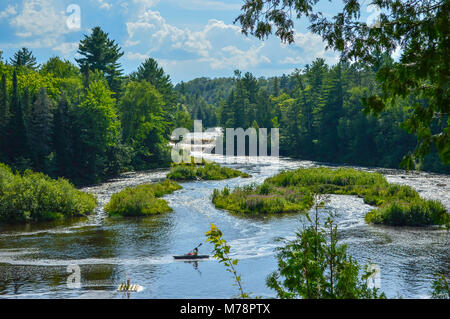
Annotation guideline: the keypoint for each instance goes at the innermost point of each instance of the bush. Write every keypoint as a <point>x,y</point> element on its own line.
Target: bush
<point>206,171</point>
<point>142,200</point>
<point>398,205</point>
<point>33,197</point>
<point>418,212</point>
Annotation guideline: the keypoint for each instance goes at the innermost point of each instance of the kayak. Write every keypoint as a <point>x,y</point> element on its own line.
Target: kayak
<point>191,257</point>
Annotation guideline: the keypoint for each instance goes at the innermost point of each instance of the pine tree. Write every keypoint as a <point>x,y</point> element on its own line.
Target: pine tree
<point>17,137</point>
<point>61,137</point>
<point>4,112</point>
<point>102,54</point>
<point>24,57</point>
<point>41,129</point>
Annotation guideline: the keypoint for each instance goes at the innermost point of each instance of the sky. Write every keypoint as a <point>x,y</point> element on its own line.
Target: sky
<point>188,38</point>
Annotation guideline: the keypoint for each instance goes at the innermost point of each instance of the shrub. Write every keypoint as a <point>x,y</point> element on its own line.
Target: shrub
<point>206,171</point>
<point>398,205</point>
<point>142,200</point>
<point>33,197</point>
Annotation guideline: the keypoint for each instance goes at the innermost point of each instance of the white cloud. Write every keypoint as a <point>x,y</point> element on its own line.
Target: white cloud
<point>145,4</point>
<point>206,5</point>
<point>306,48</point>
<point>103,4</point>
<point>136,56</point>
<point>218,46</point>
<point>66,49</point>
<point>40,18</point>
<point>9,11</point>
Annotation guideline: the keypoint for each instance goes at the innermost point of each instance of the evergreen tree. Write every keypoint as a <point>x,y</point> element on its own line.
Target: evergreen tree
<point>24,57</point>
<point>61,138</point>
<point>102,54</point>
<point>17,137</point>
<point>41,130</point>
<point>4,116</point>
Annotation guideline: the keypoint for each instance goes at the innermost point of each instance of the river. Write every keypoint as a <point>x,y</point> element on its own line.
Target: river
<point>34,259</point>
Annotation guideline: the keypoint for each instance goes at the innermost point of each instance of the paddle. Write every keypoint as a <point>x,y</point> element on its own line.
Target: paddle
<point>196,247</point>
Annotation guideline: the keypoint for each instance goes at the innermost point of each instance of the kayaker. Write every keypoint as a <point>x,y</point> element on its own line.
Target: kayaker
<point>194,252</point>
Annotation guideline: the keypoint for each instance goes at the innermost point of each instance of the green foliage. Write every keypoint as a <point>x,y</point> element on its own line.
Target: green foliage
<point>40,131</point>
<point>222,254</point>
<point>142,200</point>
<point>419,30</point>
<point>206,171</point>
<point>98,130</point>
<point>314,266</point>
<point>100,53</point>
<point>142,118</point>
<point>417,212</point>
<point>34,197</point>
<point>60,68</point>
<point>290,191</point>
<point>441,288</point>
<point>259,200</point>
<point>24,58</point>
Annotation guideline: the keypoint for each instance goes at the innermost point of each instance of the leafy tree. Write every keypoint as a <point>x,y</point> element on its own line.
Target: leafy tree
<point>441,288</point>
<point>418,29</point>
<point>60,68</point>
<point>97,129</point>
<point>24,57</point>
<point>141,113</point>
<point>101,53</point>
<point>151,72</point>
<point>314,266</point>
<point>222,253</point>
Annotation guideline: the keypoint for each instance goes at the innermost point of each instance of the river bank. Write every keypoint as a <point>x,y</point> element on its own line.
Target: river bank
<point>34,258</point>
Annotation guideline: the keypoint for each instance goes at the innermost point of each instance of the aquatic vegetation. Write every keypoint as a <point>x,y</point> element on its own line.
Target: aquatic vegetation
<point>33,197</point>
<point>253,200</point>
<point>205,171</point>
<point>142,200</point>
<point>397,205</point>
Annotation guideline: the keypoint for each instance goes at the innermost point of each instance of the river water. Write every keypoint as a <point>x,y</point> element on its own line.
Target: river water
<point>34,259</point>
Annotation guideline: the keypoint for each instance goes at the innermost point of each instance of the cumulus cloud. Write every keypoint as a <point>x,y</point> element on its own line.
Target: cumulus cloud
<point>66,49</point>
<point>217,46</point>
<point>307,47</point>
<point>40,18</point>
<point>9,11</point>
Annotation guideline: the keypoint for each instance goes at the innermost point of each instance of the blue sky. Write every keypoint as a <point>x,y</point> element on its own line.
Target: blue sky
<point>189,38</point>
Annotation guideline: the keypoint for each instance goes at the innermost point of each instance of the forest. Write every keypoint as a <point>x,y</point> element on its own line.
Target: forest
<point>319,111</point>
<point>89,122</point>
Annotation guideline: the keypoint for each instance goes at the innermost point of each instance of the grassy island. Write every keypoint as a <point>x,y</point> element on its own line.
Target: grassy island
<point>203,171</point>
<point>142,200</point>
<point>396,205</point>
<point>34,197</point>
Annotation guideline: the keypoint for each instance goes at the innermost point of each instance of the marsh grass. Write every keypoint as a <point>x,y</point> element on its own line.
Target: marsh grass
<point>205,171</point>
<point>142,200</point>
<point>397,205</point>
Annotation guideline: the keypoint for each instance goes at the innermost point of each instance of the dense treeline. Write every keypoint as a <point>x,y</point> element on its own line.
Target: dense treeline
<point>86,122</point>
<point>319,111</point>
